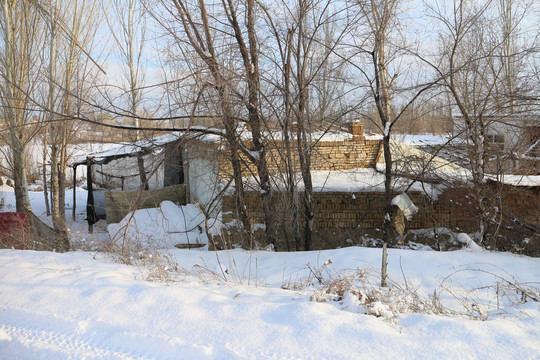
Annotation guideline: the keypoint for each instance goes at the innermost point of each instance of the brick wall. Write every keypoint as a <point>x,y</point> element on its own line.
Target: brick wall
<point>342,215</point>
<point>360,210</point>
<point>522,203</point>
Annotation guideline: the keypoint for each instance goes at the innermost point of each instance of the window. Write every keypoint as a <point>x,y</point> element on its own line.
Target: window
<point>495,138</point>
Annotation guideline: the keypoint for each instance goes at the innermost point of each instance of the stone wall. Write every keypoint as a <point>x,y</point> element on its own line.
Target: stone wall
<point>353,152</point>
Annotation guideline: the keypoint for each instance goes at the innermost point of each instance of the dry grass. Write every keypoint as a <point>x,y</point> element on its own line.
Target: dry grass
<point>161,267</point>
<point>361,292</point>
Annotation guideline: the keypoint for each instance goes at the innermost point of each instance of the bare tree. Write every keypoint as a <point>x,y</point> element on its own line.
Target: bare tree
<point>21,58</point>
<point>224,37</point>
<point>67,84</point>
<point>381,16</point>
<point>128,29</point>
<point>477,67</point>
<point>374,46</point>
<point>57,138</point>
<point>300,95</point>
<point>302,52</point>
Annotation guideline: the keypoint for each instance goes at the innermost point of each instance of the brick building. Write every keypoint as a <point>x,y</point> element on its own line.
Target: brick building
<point>347,213</point>
<point>348,187</point>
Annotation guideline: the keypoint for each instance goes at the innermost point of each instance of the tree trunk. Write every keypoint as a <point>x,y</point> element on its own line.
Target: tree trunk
<point>16,100</point>
<point>288,145</point>
<point>57,219</point>
<point>142,172</point>
<point>255,121</point>
<point>382,101</point>
<point>57,129</point>
<point>44,177</point>
<point>387,189</point>
<point>22,200</point>
<point>62,168</point>
<point>303,142</point>
<point>304,155</point>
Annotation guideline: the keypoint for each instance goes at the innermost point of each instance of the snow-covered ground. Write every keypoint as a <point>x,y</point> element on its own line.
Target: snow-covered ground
<point>81,305</point>
<point>191,304</point>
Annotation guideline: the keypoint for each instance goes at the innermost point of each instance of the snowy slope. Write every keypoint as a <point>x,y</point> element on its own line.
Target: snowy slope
<point>77,305</point>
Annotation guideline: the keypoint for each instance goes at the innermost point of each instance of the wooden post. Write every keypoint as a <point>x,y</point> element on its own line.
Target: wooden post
<point>384,266</point>
<point>74,191</point>
<point>90,209</point>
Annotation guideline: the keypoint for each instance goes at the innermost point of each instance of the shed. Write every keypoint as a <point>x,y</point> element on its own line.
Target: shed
<point>181,167</point>
<point>116,171</point>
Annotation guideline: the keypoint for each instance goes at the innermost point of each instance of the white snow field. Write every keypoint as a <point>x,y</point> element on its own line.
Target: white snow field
<point>81,305</point>
<point>192,304</point>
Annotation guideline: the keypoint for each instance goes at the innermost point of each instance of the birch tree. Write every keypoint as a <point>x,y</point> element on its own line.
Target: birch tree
<point>381,17</point>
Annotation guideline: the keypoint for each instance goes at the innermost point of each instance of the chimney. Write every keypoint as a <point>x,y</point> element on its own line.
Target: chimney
<point>356,128</point>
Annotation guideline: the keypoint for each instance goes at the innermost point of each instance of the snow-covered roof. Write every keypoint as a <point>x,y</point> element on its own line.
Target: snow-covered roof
<point>425,139</point>
<point>322,136</point>
<point>126,149</point>
<point>208,135</point>
<point>348,181</point>
<point>132,149</point>
<point>411,160</point>
<point>516,180</point>
<point>502,115</point>
<point>417,139</point>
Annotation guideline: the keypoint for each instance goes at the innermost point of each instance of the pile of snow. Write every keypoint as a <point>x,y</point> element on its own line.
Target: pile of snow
<point>405,204</point>
<point>447,239</point>
<point>468,242</point>
<point>163,227</point>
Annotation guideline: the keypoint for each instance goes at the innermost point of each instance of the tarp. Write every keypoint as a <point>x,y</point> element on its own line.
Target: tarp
<point>128,149</point>
<point>405,204</point>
